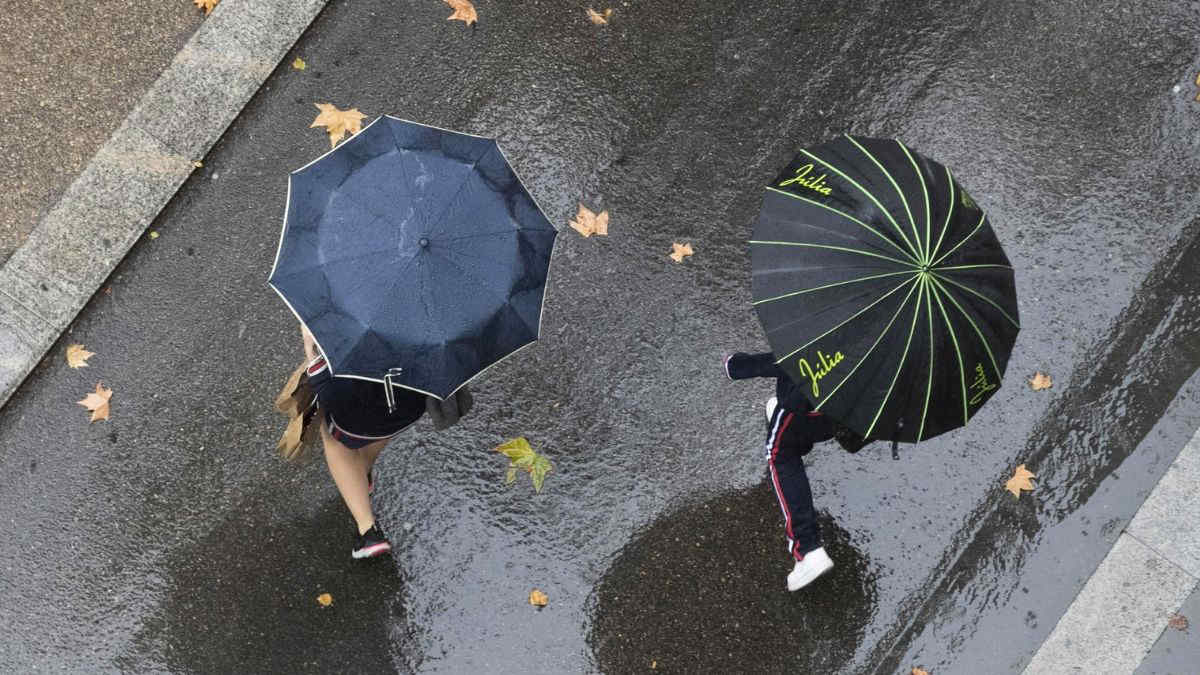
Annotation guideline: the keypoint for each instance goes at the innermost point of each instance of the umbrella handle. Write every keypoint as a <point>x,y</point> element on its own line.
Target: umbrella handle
<point>388,394</point>
<point>896,439</point>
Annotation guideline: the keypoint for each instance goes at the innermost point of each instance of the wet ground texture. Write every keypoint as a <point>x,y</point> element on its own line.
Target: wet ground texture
<point>171,538</point>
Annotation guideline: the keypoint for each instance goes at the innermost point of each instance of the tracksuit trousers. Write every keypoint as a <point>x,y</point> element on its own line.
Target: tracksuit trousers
<point>788,441</point>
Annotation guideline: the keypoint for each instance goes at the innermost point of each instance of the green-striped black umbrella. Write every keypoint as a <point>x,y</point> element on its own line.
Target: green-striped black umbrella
<point>883,289</point>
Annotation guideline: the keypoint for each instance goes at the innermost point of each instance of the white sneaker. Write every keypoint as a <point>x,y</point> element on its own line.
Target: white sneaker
<point>815,563</point>
<point>771,404</point>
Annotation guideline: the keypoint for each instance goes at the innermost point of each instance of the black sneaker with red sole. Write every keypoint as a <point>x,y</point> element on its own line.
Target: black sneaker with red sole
<point>370,544</point>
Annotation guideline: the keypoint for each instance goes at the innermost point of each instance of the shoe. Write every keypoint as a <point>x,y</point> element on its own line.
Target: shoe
<point>370,544</point>
<point>727,373</point>
<point>807,569</point>
<point>370,481</point>
<point>772,403</point>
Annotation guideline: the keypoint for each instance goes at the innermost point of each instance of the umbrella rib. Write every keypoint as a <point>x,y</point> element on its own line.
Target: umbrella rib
<point>847,320</point>
<point>973,267</point>
<point>962,375</point>
<point>978,225</point>
<point>987,347</point>
<point>848,217</point>
<point>830,247</point>
<point>863,360</point>
<point>820,288</point>
<point>924,191</point>
<point>903,357</point>
<point>929,383</point>
<point>903,199</point>
<point>949,212</point>
<point>981,297</point>
<point>450,203</point>
<point>870,196</point>
<point>504,300</point>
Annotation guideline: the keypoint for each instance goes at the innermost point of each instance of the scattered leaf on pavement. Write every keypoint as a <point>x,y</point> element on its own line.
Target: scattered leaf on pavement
<point>599,18</point>
<point>464,11</point>
<point>538,598</point>
<point>97,402</point>
<point>919,671</point>
<point>197,164</point>
<point>588,223</point>
<point>206,5</point>
<point>77,356</point>
<point>1040,381</point>
<point>523,457</point>
<point>299,64</point>
<point>153,234</point>
<point>679,251</point>
<point>1178,621</point>
<point>1019,481</point>
<point>324,599</point>
<point>337,122</point>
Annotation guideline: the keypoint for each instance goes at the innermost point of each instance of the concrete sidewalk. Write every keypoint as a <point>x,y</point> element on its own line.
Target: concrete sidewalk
<point>1119,621</point>
<point>133,175</point>
<point>73,70</point>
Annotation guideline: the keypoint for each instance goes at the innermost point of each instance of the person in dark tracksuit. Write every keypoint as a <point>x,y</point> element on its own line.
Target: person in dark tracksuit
<point>792,429</point>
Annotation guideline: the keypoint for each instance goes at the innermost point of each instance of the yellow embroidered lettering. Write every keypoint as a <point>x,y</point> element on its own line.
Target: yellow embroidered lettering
<point>980,385</point>
<point>803,179</point>
<point>824,365</point>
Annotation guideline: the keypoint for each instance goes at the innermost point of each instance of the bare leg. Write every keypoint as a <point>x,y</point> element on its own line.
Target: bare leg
<point>349,471</point>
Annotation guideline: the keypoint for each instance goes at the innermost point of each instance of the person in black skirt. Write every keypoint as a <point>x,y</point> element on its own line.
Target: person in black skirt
<point>355,428</point>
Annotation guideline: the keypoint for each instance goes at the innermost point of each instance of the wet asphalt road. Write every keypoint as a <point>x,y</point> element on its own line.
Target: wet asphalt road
<point>170,538</point>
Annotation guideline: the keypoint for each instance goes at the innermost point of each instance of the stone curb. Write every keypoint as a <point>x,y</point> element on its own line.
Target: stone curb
<point>130,179</point>
<point>1149,573</point>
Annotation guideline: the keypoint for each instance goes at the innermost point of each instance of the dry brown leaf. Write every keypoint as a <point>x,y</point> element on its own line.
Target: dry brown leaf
<point>206,5</point>
<point>299,64</point>
<point>679,251</point>
<point>337,122</point>
<point>588,222</point>
<point>1019,481</point>
<point>1178,621</point>
<point>919,671</point>
<point>598,18</point>
<point>1040,381</point>
<point>463,11</point>
<point>324,599</point>
<point>97,402</point>
<point>538,598</point>
<point>77,356</point>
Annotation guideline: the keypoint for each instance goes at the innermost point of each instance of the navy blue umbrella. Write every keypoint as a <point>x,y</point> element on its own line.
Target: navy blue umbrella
<point>414,255</point>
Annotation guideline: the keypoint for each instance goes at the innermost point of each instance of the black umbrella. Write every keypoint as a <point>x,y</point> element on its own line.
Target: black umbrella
<point>883,289</point>
<point>414,255</point>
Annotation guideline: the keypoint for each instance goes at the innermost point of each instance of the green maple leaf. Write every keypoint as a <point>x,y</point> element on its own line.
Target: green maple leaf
<point>541,466</point>
<point>521,456</point>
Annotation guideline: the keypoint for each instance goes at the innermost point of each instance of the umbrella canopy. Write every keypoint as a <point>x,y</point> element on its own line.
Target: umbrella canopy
<point>882,288</point>
<point>414,254</point>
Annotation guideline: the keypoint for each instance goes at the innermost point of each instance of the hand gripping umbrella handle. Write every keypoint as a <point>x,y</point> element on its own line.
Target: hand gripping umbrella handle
<point>388,394</point>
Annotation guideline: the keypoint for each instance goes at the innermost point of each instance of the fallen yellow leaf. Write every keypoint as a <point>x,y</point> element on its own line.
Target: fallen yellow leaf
<point>522,456</point>
<point>1040,381</point>
<point>299,64</point>
<point>678,251</point>
<point>919,671</point>
<point>206,5</point>
<point>97,402</point>
<point>197,164</point>
<point>337,122</point>
<point>324,599</point>
<point>463,11</point>
<point>538,598</point>
<point>77,356</point>
<point>598,18</point>
<point>588,223</point>
<point>1019,481</point>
